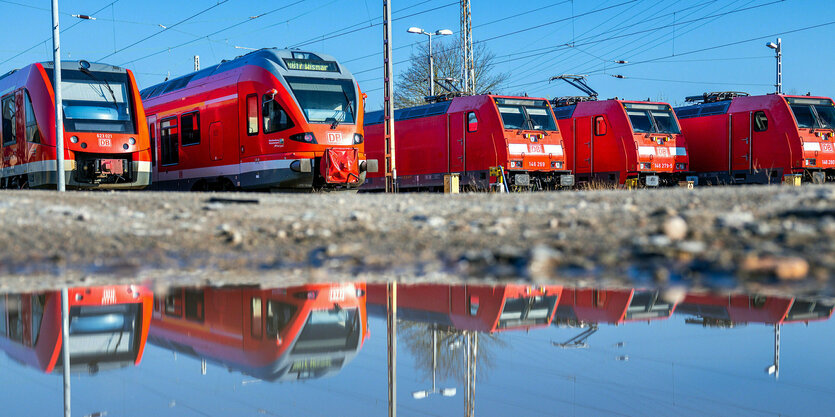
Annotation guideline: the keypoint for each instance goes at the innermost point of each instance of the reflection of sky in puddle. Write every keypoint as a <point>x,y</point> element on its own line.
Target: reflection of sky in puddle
<point>673,368</point>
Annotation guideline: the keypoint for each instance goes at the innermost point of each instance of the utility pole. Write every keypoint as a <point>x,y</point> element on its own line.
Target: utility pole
<point>197,62</point>
<point>388,96</point>
<point>391,322</point>
<point>59,114</point>
<point>467,45</point>
<point>65,343</point>
<point>778,49</point>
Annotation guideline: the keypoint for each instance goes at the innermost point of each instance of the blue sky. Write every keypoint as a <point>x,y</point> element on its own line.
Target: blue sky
<point>672,45</point>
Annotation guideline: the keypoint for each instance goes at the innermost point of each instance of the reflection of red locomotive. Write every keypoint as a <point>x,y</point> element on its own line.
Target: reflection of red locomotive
<point>727,310</point>
<point>272,334</point>
<point>589,305</point>
<point>472,307</point>
<point>108,327</point>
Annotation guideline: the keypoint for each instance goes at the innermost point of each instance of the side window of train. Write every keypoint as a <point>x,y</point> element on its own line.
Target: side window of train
<point>275,118</point>
<point>252,114</point>
<point>168,138</point>
<point>190,126</point>
<point>9,126</point>
<point>3,316</point>
<point>257,317</point>
<point>472,122</point>
<point>760,121</point>
<point>600,126</point>
<point>195,305</point>
<point>32,133</point>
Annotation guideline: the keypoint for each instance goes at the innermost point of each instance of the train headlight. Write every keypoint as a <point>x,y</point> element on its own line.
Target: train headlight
<point>556,164</point>
<point>357,138</point>
<point>306,137</point>
<point>125,146</point>
<point>131,141</point>
<point>516,164</point>
<point>74,139</point>
<point>681,167</point>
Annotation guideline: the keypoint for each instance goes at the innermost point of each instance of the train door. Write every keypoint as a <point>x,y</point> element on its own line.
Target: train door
<point>10,128</point>
<point>168,164</point>
<point>216,141</point>
<point>456,129</point>
<point>740,141</point>
<point>152,133</point>
<point>583,145</point>
<point>760,146</point>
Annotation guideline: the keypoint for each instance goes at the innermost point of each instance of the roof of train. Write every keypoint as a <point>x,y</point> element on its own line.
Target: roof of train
<point>277,61</point>
<point>94,66</point>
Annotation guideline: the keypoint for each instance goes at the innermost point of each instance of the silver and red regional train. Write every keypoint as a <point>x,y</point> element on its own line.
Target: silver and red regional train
<point>105,135</point>
<point>271,119</point>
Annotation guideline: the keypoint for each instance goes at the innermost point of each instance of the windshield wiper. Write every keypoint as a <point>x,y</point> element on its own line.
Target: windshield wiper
<point>106,84</point>
<point>350,108</point>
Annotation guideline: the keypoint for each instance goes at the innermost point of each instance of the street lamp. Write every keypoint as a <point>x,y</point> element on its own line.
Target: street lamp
<point>446,392</point>
<point>441,32</point>
<point>779,51</point>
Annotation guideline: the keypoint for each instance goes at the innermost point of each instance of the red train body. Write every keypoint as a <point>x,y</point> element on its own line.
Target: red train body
<point>108,327</point>
<point>271,119</point>
<point>479,308</point>
<point>760,139</point>
<point>105,136</point>
<point>589,305</point>
<point>470,135</point>
<point>728,310</point>
<point>291,333</point>
<point>615,140</point>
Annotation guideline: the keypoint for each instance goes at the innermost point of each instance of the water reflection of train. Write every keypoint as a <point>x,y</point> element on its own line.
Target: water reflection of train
<point>717,310</point>
<point>590,305</point>
<point>303,332</point>
<point>108,327</point>
<point>471,307</point>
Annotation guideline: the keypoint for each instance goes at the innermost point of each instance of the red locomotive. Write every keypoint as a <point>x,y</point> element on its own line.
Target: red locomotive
<point>105,135</point>
<point>475,136</point>
<point>271,119</point>
<point>728,310</point>
<point>472,307</point>
<point>737,138</point>
<point>291,333</point>
<point>108,327</point>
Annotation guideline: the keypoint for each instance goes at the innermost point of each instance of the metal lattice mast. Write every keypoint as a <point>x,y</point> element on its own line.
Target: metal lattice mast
<point>467,47</point>
<point>388,110</point>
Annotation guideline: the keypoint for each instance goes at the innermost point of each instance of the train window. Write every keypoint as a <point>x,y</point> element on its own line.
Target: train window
<point>3,314</point>
<point>168,135</point>
<point>194,305</point>
<point>32,133</point>
<point>38,302</point>
<point>191,129</point>
<point>472,122</point>
<point>252,114</point>
<point>278,316</point>
<point>599,126</point>
<point>9,125</point>
<point>760,121</point>
<point>275,118</point>
<point>15,322</point>
<point>174,303</point>
<point>257,322</point>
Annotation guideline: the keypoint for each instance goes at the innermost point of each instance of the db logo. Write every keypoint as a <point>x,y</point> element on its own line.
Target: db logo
<point>827,147</point>
<point>535,148</point>
<point>104,142</point>
<point>334,137</point>
<point>663,152</point>
<point>108,296</point>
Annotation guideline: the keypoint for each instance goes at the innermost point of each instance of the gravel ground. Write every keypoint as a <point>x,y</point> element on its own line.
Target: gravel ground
<point>770,238</point>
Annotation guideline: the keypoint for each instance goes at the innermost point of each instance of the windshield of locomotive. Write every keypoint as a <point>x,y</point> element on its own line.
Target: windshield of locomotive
<point>333,330</point>
<point>526,114</point>
<point>96,101</point>
<point>527,311</point>
<point>651,118</point>
<point>325,100</point>
<point>813,113</point>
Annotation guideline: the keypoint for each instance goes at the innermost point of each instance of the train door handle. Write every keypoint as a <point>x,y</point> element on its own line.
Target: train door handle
<point>242,149</point>
<point>461,141</point>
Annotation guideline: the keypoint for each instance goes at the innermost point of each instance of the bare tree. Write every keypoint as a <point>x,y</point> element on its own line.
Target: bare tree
<point>412,85</point>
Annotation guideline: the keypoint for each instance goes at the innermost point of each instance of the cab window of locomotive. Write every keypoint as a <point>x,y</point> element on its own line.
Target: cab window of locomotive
<point>252,114</point>
<point>38,302</point>
<point>325,101</point>
<point>168,139</point>
<point>9,125</point>
<point>278,316</point>
<point>665,121</point>
<point>512,117</point>
<point>96,101</point>
<point>760,121</point>
<point>275,118</point>
<point>641,122</point>
<point>526,114</point>
<point>191,129</point>
<point>803,115</point>
<point>32,133</point>
<point>826,114</point>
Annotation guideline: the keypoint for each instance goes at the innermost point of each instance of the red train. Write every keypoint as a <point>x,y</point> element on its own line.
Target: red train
<point>105,136</point>
<point>271,119</point>
<point>737,138</point>
<point>481,308</point>
<point>292,333</point>
<point>728,310</point>
<point>108,327</point>
<point>612,141</point>
<point>472,136</point>
<point>589,305</point>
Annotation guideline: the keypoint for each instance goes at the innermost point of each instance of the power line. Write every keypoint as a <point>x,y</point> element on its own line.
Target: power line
<point>164,30</point>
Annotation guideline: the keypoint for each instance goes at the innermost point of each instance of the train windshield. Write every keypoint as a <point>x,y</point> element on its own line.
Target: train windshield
<point>96,101</point>
<point>813,113</point>
<point>651,118</point>
<point>527,311</point>
<point>101,334</point>
<point>526,114</point>
<point>324,100</point>
<point>333,330</point>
